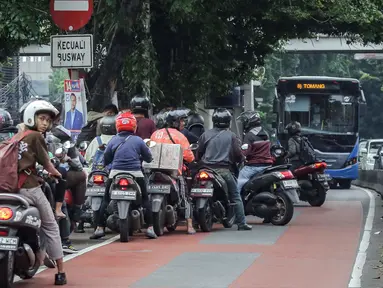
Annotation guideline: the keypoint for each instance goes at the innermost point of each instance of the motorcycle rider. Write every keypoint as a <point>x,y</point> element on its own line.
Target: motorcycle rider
<point>219,149</point>
<point>38,117</point>
<point>195,124</point>
<point>108,130</point>
<point>257,151</point>
<point>7,130</point>
<point>140,106</point>
<point>175,120</point>
<point>126,157</point>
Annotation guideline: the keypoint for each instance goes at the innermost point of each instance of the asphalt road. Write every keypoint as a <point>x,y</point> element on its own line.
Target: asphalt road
<point>317,249</point>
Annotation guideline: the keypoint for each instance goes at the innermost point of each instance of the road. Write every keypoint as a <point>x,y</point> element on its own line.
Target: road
<point>317,249</point>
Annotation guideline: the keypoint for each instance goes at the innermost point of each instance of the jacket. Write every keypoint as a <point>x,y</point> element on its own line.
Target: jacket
<point>93,146</point>
<point>294,147</point>
<point>161,136</point>
<point>219,148</point>
<point>190,136</point>
<point>145,127</point>
<point>258,152</point>
<point>78,120</point>
<point>128,156</point>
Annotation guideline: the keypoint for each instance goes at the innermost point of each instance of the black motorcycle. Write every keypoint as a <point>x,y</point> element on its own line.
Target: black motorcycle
<point>270,194</point>
<point>211,200</point>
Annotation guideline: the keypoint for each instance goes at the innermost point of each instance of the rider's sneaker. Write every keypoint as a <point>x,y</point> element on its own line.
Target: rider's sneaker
<point>245,227</point>
<point>150,233</point>
<point>60,279</point>
<point>69,248</point>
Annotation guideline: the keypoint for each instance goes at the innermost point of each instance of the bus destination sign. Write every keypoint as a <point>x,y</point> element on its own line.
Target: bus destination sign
<point>301,86</point>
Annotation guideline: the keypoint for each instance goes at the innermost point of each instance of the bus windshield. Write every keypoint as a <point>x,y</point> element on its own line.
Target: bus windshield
<point>322,113</point>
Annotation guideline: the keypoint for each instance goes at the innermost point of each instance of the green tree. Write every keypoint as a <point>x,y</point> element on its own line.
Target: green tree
<point>56,84</point>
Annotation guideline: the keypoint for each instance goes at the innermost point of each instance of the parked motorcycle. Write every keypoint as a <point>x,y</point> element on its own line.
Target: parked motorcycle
<point>127,194</point>
<point>313,183</point>
<point>211,200</point>
<point>270,194</point>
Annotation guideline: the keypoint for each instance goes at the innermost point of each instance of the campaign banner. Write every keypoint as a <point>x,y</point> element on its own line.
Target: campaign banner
<point>74,106</point>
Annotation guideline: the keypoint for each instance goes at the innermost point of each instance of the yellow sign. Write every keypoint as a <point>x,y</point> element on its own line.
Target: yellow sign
<point>311,86</point>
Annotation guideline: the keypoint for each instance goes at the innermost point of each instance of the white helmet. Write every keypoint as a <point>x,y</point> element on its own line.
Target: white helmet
<point>35,107</point>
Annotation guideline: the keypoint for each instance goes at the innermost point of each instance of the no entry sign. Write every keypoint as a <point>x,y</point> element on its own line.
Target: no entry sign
<point>71,15</point>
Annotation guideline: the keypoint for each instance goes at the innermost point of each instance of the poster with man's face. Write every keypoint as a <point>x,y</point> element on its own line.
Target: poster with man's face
<point>75,107</point>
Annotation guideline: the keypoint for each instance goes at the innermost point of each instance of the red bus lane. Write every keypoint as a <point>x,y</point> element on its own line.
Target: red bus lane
<point>317,249</point>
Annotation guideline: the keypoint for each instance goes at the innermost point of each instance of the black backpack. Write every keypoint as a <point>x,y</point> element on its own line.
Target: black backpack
<point>88,132</point>
<point>307,153</point>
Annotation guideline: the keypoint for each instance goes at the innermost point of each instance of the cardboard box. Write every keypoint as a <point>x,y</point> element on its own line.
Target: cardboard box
<point>167,157</point>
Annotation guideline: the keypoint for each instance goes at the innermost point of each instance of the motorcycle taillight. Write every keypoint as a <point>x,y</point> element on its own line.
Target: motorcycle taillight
<point>284,174</point>
<point>203,176</point>
<point>320,165</point>
<point>3,233</point>
<point>5,213</point>
<point>124,183</point>
<point>98,179</point>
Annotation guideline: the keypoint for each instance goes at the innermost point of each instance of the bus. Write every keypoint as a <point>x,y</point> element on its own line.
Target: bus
<point>329,110</point>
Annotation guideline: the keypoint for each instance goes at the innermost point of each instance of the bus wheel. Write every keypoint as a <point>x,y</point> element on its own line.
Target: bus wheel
<point>345,184</point>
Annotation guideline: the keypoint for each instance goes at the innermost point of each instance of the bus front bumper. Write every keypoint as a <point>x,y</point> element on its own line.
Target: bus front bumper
<point>348,173</point>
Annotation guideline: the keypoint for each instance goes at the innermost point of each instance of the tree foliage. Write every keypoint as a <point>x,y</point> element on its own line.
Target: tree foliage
<point>193,47</point>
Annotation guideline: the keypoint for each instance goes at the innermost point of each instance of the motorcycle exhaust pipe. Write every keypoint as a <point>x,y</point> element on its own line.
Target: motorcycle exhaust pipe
<point>169,215</point>
<point>22,259</point>
<point>136,220</point>
<point>219,210</point>
<point>31,254</point>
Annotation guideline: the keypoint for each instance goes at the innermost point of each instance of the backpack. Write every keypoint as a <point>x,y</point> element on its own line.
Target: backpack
<point>12,181</point>
<point>98,158</point>
<point>307,153</point>
<point>88,132</point>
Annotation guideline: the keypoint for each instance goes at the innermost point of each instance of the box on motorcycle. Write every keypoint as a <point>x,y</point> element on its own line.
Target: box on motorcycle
<point>166,157</point>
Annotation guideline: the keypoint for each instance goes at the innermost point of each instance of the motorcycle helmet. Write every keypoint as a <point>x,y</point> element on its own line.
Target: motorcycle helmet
<point>173,118</point>
<point>249,119</point>
<point>38,107</point>
<point>108,125</point>
<point>195,119</point>
<point>61,133</point>
<point>5,119</point>
<point>221,118</point>
<point>126,122</point>
<point>293,128</point>
<point>140,104</point>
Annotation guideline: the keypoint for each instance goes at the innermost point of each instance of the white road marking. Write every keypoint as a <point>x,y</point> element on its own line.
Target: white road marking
<point>360,261</point>
<point>81,252</point>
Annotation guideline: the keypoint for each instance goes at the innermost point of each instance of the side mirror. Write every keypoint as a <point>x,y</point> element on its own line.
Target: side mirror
<point>149,143</point>
<point>67,145</point>
<point>363,150</point>
<point>194,146</point>
<point>83,146</point>
<point>59,152</point>
<point>245,146</point>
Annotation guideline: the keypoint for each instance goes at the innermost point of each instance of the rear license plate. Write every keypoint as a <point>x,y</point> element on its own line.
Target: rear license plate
<point>288,184</point>
<point>323,177</point>
<point>95,191</point>
<point>158,189</point>
<point>123,195</point>
<point>201,192</point>
<point>9,243</point>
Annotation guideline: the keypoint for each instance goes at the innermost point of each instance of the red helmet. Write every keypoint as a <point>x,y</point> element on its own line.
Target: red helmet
<point>126,122</point>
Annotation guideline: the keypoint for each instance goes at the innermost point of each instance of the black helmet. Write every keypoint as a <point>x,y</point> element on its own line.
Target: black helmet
<point>173,117</point>
<point>195,119</point>
<point>160,119</point>
<point>108,125</point>
<point>140,104</point>
<point>221,118</point>
<point>293,128</point>
<point>5,119</point>
<point>250,119</point>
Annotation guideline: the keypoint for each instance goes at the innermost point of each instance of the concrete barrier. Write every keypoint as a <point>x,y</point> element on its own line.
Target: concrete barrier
<point>371,179</point>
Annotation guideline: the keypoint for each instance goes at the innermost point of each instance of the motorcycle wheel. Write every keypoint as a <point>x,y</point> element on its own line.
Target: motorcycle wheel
<point>159,220</point>
<point>6,270</point>
<point>205,217</point>
<point>124,230</point>
<point>287,206</point>
<point>319,199</point>
<point>229,221</point>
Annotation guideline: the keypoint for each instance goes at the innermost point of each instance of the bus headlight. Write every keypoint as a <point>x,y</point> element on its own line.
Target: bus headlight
<point>351,161</point>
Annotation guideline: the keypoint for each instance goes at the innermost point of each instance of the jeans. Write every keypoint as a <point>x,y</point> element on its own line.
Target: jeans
<point>235,196</point>
<point>246,173</point>
<point>64,225</point>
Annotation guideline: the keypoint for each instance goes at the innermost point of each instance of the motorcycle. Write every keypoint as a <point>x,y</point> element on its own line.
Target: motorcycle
<point>313,183</point>
<point>270,194</point>
<point>95,191</point>
<point>211,200</point>
<point>126,192</point>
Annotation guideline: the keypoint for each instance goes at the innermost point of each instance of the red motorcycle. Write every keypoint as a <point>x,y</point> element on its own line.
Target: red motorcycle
<point>313,183</point>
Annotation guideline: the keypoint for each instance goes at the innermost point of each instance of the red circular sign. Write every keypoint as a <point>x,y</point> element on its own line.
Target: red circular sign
<point>71,15</point>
